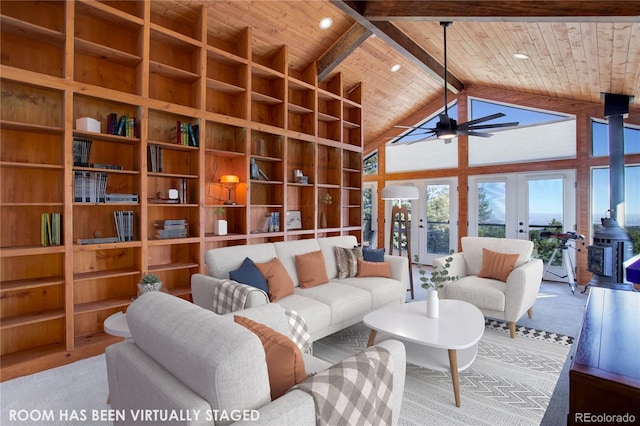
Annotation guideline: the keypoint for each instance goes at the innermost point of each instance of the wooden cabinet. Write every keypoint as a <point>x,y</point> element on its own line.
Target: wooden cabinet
<point>604,379</point>
<point>198,104</point>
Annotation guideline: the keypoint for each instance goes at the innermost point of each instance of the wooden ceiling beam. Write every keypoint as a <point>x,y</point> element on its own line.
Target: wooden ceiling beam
<point>617,11</point>
<point>354,37</point>
<point>402,43</point>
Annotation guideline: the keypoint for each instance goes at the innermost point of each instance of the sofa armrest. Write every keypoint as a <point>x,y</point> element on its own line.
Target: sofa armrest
<point>399,358</point>
<point>523,285</point>
<point>202,292</point>
<point>399,268</point>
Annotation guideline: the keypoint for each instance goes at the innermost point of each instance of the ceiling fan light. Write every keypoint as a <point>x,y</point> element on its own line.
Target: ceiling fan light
<point>447,134</point>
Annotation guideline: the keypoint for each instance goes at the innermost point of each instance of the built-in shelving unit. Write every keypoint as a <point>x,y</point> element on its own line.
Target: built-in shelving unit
<point>199,106</point>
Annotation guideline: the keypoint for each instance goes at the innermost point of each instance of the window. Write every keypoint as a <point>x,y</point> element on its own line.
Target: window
<point>600,139</point>
<point>600,200</point>
<point>370,164</point>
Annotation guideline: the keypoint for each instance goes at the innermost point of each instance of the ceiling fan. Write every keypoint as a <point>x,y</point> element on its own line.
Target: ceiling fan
<point>448,128</point>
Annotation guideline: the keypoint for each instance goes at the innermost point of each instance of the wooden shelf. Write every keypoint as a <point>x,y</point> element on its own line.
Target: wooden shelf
<point>100,275</point>
<point>32,318</point>
<point>224,57</point>
<point>27,127</point>
<point>224,87</point>
<point>104,52</point>
<point>265,99</point>
<point>29,283</point>
<point>107,137</point>
<point>172,72</point>
<point>173,266</point>
<point>102,305</point>
<point>31,165</point>
<point>34,32</point>
<point>298,109</point>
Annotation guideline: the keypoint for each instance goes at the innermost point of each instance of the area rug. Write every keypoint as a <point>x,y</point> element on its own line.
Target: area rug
<point>509,383</point>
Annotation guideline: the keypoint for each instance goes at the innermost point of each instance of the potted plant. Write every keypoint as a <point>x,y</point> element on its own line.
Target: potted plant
<point>439,277</point>
<point>220,225</point>
<point>149,282</point>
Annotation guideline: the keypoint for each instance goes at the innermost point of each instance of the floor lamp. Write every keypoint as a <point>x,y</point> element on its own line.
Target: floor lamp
<point>400,217</point>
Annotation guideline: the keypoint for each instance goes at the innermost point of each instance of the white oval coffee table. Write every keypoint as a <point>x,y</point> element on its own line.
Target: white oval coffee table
<point>446,343</point>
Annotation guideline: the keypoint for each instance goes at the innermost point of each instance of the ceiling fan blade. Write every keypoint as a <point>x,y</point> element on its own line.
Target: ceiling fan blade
<point>479,134</point>
<point>406,127</point>
<point>483,119</point>
<point>429,136</point>
<point>494,126</point>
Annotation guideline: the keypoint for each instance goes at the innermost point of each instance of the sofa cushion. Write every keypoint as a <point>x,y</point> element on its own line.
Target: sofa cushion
<point>344,301</point>
<point>278,280</point>
<point>221,261</point>
<point>382,290</point>
<point>316,314</point>
<point>497,265</point>
<point>285,363</point>
<point>227,369</point>
<point>347,261</point>
<point>485,293</point>
<point>373,255</point>
<point>311,269</point>
<point>374,269</point>
<point>327,244</point>
<point>287,251</point>
<point>472,250</point>
<point>249,274</point>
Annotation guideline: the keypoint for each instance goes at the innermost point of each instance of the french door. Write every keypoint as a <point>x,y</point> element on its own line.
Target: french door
<point>529,206</point>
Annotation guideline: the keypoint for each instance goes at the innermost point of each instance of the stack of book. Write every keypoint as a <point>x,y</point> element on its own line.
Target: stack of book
<point>124,225</point>
<point>50,229</point>
<point>186,134</point>
<point>170,228</point>
<point>89,187</point>
<point>123,126</point>
<point>81,150</point>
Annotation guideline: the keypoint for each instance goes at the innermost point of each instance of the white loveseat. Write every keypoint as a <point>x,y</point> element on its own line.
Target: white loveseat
<point>202,369</point>
<point>496,299</point>
<point>326,308</point>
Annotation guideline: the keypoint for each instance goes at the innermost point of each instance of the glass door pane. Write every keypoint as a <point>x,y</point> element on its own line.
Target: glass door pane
<point>491,209</point>
<point>438,219</point>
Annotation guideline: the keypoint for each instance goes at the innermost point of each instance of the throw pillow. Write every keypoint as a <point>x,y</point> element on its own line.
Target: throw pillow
<point>374,269</point>
<point>347,261</point>
<point>248,274</point>
<point>497,265</point>
<point>371,255</point>
<point>279,282</point>
<point>311,269</point>
<point>285,363</point>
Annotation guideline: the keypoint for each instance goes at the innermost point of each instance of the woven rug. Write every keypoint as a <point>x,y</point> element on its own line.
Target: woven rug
<point>509,383</point>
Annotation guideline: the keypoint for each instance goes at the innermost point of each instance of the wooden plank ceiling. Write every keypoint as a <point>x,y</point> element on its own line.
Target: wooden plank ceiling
<point>576,49</point>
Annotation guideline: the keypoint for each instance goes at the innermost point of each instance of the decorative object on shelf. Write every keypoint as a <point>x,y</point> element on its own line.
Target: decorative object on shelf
<point>88,124</point>
<point>400,220</point>
<point>229,182</point>
<point>294,220</point>
<point>438,278</point>
<point>326,199</point>
<point>297,175</point>
<point>220,225</point>
<point>149,282</point>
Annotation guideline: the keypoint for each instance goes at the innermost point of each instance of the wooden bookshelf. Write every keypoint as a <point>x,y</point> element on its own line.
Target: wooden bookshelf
<point>97,58</point>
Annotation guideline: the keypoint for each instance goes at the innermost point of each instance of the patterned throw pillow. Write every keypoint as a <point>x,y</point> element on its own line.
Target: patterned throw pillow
<point>347,261</point>
<point>497,265</point>
<point>285,364</point>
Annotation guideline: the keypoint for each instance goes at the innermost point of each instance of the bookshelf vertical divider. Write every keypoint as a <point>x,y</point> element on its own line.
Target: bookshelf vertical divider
<point>247,109</point>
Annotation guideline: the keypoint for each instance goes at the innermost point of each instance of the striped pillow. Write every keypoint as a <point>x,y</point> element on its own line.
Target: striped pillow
<point>347,261</point>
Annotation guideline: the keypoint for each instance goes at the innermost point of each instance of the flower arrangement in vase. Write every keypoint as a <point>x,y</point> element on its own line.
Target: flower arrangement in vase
<point>326,199</point>
<point>439,277</point>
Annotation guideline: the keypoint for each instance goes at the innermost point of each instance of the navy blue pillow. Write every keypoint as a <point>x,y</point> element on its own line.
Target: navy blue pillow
<point>249,274</point>
<point>371,255</point>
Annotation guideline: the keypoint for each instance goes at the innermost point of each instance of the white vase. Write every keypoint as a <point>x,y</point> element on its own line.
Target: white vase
<point>433,304</point>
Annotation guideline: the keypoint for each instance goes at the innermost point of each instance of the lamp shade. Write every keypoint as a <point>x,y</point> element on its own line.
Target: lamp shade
<point>400,192</point>
<point>229,179</point>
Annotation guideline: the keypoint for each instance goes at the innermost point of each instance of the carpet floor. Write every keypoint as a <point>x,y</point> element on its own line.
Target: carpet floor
<point>509,383</point>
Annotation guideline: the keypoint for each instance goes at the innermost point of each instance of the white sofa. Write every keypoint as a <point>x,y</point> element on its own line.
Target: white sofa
<point>326,308</point>
<point>201,366</point>
<point>496,299</point>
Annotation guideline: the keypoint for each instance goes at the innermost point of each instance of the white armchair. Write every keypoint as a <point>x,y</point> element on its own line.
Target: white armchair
<point>496,299</point>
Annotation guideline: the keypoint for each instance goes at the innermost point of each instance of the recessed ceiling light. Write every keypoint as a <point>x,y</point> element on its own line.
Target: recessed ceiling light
<point>396,67</point>
<point>325,23</point>
<point>520,56</point>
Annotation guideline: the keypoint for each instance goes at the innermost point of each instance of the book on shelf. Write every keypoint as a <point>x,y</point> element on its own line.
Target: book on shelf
<point>123,126</point>
<point>50,229</point>
<point>170,228</point>
<point>81,150</point>
<point>89,187</point>
<point>185,134</point>
<point>102,240</point>
<point>154,162</point>
<point>182,191</point>
<point>122,198</point>
<point>124,224</point>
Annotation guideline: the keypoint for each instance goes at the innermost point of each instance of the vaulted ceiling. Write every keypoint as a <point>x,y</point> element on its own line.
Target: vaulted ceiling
<point>576,49</point>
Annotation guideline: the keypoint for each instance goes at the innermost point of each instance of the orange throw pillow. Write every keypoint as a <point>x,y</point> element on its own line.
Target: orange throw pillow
<point>311,269</point>
<point>285,363</point>
<point>497,265</point>
<point>279,282</point>
<point>374,269</point>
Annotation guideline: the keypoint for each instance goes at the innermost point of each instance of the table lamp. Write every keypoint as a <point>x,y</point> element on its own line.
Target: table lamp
<point>229,182</point>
